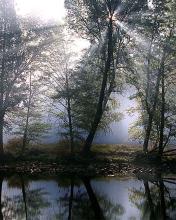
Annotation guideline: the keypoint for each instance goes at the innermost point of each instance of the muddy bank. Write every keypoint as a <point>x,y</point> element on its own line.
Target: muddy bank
<point>88,168</point>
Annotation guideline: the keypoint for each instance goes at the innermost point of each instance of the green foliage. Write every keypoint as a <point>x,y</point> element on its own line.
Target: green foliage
<point>87,84</point>
<point>151,51</point>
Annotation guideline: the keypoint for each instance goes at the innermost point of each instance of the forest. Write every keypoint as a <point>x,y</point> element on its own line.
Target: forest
<point>128,44</point>
<point>62,79</point>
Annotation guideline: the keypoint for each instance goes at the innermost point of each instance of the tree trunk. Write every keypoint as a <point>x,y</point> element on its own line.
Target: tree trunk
<point>71,200</point>
<point>70,129</point>
<point>162,122</point>
<point>147,134</point>
<point>2,74</point>
<point>100,106</point>
<point>152,111</point>
<point>95,205</point>
<point>25,135</point>
<point>1,137</point>
<point>1,214</point>
<point>69,116</point>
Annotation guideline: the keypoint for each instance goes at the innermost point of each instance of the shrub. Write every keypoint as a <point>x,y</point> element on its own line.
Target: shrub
<point>14,145</point>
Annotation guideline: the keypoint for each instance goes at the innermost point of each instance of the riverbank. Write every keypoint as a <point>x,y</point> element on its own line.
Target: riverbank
<point>106,160</point>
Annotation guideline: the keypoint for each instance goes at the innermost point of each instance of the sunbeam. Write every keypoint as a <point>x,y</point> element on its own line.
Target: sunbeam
<point>140,40</point>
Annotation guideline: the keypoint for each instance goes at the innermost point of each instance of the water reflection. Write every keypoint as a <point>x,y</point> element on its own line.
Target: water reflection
<point>156,201</point>
<point>77,199</point>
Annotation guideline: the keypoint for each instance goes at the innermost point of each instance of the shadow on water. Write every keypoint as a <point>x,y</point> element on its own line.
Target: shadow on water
<point>72,198</point>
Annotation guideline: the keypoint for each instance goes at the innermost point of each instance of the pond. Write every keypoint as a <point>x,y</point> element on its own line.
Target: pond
<point>109,198</point>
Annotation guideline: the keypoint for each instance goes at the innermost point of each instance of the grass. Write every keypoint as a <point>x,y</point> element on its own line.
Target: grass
<point>60,152</point>
<point>104,159</point>
<point>122,153</point>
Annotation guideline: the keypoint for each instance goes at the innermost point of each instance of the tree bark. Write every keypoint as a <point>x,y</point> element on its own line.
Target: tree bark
<point>100,105</point>
<point>162,122</point>
<point>1,214</point>
<point>147,134</point>
<point>69,116</point>
<point>152,110</point>
<point>1,136</point>
<point>25,135</point>
<point>2,89</point>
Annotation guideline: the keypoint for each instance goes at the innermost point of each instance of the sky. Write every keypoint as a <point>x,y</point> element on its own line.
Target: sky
<point>45,9</point>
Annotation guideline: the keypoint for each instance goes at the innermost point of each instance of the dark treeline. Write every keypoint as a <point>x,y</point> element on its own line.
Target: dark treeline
<point>131,43</point>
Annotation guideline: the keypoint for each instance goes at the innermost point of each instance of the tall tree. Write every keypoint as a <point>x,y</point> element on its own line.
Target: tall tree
<point>57,74</point>
<point>19,46</point>
<point>29,121</point>
<point>152,67</point>
<point>87,79</point>
<point>10,62</point>
<point>95,20</point>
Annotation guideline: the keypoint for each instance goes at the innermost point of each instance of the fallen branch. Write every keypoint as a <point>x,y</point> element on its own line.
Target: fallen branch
<point>153,150</point>
<point>168,155</point>
<point>167,181</point>
<point>168,151</point>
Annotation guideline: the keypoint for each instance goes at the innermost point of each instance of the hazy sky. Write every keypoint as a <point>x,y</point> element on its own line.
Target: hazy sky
<point>45,9</point>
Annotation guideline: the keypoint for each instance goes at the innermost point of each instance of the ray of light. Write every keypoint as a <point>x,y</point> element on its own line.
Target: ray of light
<point>140,40</point>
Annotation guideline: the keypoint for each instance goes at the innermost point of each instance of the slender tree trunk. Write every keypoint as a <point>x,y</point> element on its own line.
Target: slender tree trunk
<point>25,135</point>
<point>1,214</point>
<point>24,197</point>
<point>2,74</point>
<point>162,122</point>
<point>147,134</point>
<point>71,200</point>
<point>94,202</point>
<point>168,137</point>
<point>152,111</point>
<point>1,136</point>
<point>100,105</point>
<point>70,129</point>
<point>69,116</point>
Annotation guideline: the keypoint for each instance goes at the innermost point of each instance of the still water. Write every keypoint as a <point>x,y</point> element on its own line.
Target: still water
<point>109,198</point>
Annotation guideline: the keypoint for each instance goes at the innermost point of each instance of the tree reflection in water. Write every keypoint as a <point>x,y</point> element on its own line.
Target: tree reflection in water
<point>84,203</point>
<point>78,199</point>
<point>25,205</point>
<point>156,201</point>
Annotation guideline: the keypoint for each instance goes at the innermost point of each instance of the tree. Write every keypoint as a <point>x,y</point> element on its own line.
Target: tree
<point>11,59</point>
<point>19,45</point>
<point>55,64</point>
<point>87,84</point>
<point>75,87</point>
<point>95,21</point>
<point>29,121</point>
<point>149,79</point>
